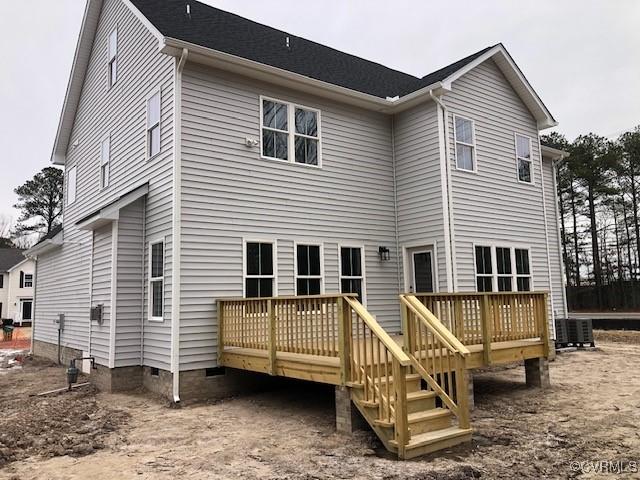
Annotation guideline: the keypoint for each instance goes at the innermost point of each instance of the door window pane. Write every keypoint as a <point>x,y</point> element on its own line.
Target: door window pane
<point>423,272</point>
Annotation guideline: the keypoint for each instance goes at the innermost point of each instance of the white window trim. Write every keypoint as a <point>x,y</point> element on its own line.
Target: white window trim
<point>361,246</point>
<point>69,200</point>
<point>155,279</point>
<point>24,281</point>
<point>473,145</point>
<point>310,277</point>
<point>148,128</point>
<point>113,59</point>
<point>274,276</point>
<point>291,134</point>
<point>530,160</point>
<point>105,182</point>
<point>494,265</point>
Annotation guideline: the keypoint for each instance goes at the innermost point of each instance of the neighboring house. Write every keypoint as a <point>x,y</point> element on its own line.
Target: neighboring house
<point>17,279</point>
<point>207,156</point>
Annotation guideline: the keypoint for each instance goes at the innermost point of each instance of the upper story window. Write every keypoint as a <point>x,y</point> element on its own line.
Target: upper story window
<point>259,270</point>
<point>523,158</point>
<point>352,271</point>
<point>290,132</point>
<point>113,58</point>
<point>28,280</point>
<point>71,185</point>
<point>105,154</point>
<point>156,281</point>
<point>465,143</point>
<point>153,125</point>
<point>308,270</point>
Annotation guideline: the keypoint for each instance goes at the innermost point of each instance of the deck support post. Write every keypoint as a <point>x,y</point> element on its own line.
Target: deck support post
<point>471,401</point>
<point>348,419</point>
<point>487,329</point>
<point>537,372</point>
<point>220,331</point>
<point>271,313</point>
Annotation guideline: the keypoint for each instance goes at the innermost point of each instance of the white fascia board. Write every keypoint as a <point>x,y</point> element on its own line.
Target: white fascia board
<point>279,76</point>
<point>44,247</point>
<point>553,154</point>
<point>518,81</point>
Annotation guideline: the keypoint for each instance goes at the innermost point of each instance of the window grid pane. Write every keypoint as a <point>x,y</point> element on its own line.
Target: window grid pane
<point>153,110</point>
<point>503,260</point>
<point>483,260</point>
<point>464,130</point>
<point>464,156</point>
<point>523,147</point>
<point>306,122</point>
<point>157,260</point>
<point>522,262</point>
<point>275,115</point>
<point>156,300</point>
<point>524,170</point>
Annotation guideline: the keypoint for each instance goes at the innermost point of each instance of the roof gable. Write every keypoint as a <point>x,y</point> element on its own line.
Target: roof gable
<point>9,258</point>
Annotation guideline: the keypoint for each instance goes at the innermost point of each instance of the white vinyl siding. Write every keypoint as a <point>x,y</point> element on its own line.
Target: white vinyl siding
<point>290,132</point>
<point>62,285</point>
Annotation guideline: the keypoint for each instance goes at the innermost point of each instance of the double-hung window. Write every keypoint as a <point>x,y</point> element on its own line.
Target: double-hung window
<point>308,270</point>
<point>523,158</point>
<point>259,276</point>
<point>351,271</point>
<point>112,54</point>
<point>28,280</point>
<point>153,125</point>
<point>290,132</point>
<point>502,269</point>
<point>105,155</point>
<point>465,144</point>
<point>484,269</point>
<point>523,270</point>
<point>71,185</point>
<point>156,280</point>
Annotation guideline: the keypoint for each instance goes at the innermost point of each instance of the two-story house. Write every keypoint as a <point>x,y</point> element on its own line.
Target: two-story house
<point>16,286</point>
<point>207,156</point>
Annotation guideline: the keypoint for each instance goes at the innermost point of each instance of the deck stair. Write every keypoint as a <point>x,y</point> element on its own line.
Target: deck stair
<point>413,392</point>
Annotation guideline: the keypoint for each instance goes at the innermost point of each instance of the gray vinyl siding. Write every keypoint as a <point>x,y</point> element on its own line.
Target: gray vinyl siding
<point>101,273</point>
<point>491,206</point>
<point>230,193</point>
<point>419,183</point>
<point>555,255</point>
<point>121,113</point>
<point>130,285</point>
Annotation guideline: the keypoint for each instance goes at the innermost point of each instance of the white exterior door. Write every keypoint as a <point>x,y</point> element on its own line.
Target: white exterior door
<point>420,274</point>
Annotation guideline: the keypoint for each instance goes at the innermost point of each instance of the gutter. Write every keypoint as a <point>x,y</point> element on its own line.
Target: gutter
<point>450,246</point>
<point>177,218</point>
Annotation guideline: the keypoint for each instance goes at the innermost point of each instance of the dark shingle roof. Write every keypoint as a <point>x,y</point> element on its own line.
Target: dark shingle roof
<point>229,33</point>
<point>10,257</point>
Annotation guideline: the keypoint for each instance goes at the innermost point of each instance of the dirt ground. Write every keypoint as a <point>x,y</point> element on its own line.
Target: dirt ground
<point>591,414</point>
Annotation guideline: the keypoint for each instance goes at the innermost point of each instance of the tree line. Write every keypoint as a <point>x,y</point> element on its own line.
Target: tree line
<point>599,192</point>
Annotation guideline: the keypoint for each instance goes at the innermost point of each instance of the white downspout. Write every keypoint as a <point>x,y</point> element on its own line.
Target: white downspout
<point>452,283</point>
<point>177,217</point>
<point>565,309</point>
<point>93,234</point>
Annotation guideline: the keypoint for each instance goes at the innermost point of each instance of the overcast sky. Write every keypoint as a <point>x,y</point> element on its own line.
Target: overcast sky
<point>581,56</point>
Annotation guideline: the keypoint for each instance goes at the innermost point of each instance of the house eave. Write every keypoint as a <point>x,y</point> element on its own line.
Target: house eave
<point>44,247</point>
<point>111,211</point>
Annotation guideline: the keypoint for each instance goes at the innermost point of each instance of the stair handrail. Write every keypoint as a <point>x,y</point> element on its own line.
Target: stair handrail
<point>380,332</point>
<point>459,405</point>
<point>448,337</point>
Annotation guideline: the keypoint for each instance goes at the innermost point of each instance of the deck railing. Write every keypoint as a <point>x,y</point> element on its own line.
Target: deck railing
<point>437,355</point>
<point>330,326</point>
<point>484,318</point>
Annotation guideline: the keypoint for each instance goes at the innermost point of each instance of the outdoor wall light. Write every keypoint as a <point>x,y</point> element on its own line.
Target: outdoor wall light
<point>383,253</point>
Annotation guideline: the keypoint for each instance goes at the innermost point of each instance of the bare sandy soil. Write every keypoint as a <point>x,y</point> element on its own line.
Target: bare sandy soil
<point>592,413</point>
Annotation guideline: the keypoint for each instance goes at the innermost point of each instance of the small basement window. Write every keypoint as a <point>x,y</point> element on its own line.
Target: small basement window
<point>155,372</point>
<point>214,371</point>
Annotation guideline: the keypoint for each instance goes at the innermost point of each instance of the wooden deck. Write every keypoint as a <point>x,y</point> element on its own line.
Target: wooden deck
<point>411,388</point>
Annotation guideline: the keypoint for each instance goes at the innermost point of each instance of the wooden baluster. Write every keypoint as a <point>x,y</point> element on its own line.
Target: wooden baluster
<point>386,376</point>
